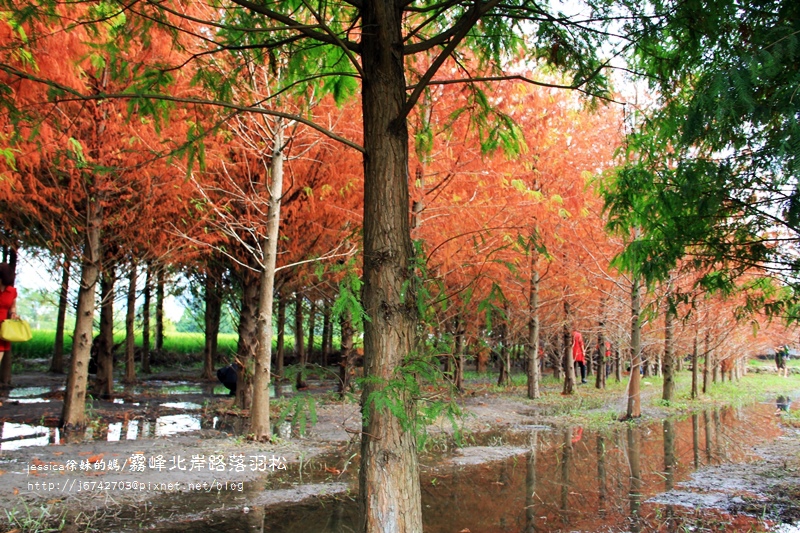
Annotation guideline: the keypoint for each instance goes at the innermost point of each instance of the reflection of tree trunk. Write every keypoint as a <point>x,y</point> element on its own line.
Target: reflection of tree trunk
<point>635,492</point>
<point>130,330</point>
<point>696,439</point>
<point>148,284</point>
<point>669,454</point>
<point>717,427</point>
<point>211,320</point>
<point>533,335</point>
<point>530,486</point>
<point>669,468</point>
<point>57,365</point>
<point>299,346</point>
<point>566,460</point>
<point>602,493</point>
<point>707,426</point>
<point>347,353</point>
<point>668,390</point>
<point>634,392</point>
<point>104,381</point>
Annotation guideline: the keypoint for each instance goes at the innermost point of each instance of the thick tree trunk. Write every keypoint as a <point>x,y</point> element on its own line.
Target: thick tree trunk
<point>57,365</point>
<point>73,414</point>
<point>104,381</point>
<point>248,337</point>
<point>130,329</point>
<point>634,385</point>
<point>148,285</point>
<point>668,392</point>
<point>533,334</point>
<point>259,413</point>
<point>389,491</point>
<point>212,315</point>
<point>299,342</point>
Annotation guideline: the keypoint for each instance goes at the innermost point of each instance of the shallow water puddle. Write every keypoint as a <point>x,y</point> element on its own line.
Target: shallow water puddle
<point>531,478</point>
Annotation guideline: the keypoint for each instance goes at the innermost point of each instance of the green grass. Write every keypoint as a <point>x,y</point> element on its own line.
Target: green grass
<point>41,345</point>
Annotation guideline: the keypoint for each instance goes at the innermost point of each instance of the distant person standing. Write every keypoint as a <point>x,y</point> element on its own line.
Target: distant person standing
<point>781,358</point>
<point>8,301</point>
<point>579,353</point>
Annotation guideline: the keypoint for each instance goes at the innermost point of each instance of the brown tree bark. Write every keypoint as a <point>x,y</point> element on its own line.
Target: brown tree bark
<point>148,285</point>
<point>634,385</point>
<point>104,381</point>
<point>212,314</point>
<point>280,348</point>
<point>389,490</point>
<point>569,363</point>
<point>130,323</point>
<point>73,414</point>
<point>57,364</point>
<point>668,391</point>
<point>299,340</point>
<point>533,334</point>
<point>246,347</point>
<point>160,282</point>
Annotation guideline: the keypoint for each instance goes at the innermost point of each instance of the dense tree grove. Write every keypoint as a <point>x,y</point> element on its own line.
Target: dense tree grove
<point>434,179</point>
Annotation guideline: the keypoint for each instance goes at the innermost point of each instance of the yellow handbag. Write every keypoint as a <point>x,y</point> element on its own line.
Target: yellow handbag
<point>15,330</point>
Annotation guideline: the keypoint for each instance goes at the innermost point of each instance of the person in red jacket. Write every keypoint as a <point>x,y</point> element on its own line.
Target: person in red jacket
<point>579,353</point>
<point>8,301</point>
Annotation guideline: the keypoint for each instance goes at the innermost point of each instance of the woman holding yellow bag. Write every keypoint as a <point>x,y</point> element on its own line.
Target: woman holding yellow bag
<point>8,301</point>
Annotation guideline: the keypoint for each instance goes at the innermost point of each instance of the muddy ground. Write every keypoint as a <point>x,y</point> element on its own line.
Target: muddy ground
<point>86,481</point>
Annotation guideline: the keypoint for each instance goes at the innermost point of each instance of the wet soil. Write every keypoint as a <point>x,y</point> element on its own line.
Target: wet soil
<point>731,469</point>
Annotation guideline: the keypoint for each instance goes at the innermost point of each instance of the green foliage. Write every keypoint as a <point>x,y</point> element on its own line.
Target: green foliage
<point>713,170</point>
<point>302,410</point>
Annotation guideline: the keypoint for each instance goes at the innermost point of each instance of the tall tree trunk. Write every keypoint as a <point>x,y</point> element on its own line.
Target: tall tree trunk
<point>695,362</point>
<point>212,315</point>
<point>458,375</point>
<point>327,332</point>
<point>299,346</point>
<point>600,382</point>
<point>346,364</point>
<point>160,309</point>
<point>389,491</point>
<point>706,361</point>
<point>57,365</point>
<point>504,377</point>
<point>73,414</point>
<point>569,363</point>
<point>104,382</point>
<point>668,392</point>
<point>279,356</point>
<point>634,386</point>
<point>248,337</point>
<point>130,329</point>
<point>312,318</point>
<point>259,413</point>
<point>148,285</point>
<point>533,333</point>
